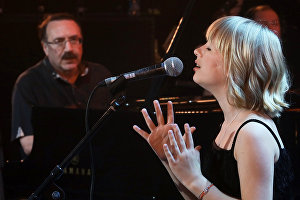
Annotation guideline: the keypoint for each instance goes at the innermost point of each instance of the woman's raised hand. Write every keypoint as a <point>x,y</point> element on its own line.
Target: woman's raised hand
<point>158,134</point>
<point>183,158</point>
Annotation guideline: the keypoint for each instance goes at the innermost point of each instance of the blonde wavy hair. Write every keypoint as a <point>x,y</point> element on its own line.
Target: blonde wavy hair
<point>256,71</point>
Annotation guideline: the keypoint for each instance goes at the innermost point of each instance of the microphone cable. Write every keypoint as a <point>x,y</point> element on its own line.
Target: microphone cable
<point>91,147</point>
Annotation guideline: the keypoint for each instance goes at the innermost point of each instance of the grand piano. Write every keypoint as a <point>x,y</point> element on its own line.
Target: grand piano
<point>125,166</point>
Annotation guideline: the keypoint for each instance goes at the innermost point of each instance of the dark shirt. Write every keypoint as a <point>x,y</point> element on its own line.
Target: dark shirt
<point>222,170</point>
<point>41,86</point>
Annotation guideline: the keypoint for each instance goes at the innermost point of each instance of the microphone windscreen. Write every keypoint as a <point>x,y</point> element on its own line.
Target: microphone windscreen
<point>173,66</point>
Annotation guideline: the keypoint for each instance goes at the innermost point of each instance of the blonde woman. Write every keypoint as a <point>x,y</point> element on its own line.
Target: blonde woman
<point>242,65</point>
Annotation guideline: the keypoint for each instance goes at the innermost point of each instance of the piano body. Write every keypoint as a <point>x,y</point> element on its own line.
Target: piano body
<point>126,167</point>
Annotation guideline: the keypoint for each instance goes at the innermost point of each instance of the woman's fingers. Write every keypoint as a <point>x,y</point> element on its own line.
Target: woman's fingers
<point>175,149</point>
<point>179,138</point>
<point>193,128</point>
<point>148,120</point>
<point>143,133</point>
<point>159,114</point>
<point>170,115</point>
<point>198,148</point>
<point>188,136</point>
<point>168,154</point>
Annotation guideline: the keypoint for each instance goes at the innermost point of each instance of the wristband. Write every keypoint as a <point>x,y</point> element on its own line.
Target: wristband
<point>205,191</point>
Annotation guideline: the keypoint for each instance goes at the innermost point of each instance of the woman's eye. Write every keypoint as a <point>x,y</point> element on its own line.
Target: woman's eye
<point>208,49</point>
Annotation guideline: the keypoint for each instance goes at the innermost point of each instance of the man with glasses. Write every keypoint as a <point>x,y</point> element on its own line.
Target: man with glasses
<point>61,79</point>
<point>266,16</point>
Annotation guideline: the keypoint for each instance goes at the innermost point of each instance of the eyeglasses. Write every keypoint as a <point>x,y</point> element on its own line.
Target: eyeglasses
<point>61,42</point>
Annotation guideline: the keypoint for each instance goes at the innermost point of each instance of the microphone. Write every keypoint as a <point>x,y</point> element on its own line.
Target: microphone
<point>171,67</point>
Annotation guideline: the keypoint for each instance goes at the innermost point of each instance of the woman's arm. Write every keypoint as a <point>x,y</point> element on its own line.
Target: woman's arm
<point>255,152</point>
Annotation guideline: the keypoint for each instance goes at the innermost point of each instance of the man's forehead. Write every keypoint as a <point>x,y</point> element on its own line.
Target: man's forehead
<point>63,28</point>
<point>267,14</point>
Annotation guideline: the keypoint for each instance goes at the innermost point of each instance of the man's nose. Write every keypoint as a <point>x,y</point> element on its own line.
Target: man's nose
<point>68,46</point>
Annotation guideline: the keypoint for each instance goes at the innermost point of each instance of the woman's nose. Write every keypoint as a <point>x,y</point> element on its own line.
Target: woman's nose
<point>197,51</point>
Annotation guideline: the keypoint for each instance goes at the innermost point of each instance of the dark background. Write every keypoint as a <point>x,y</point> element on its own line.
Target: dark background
<point>124,43</point>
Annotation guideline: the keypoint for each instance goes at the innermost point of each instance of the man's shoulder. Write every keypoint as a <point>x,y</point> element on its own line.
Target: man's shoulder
<point>33,71</point>
<point>96,67</point>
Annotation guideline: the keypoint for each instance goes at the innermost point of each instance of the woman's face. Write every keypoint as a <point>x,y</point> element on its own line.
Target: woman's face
<point>209,70</point>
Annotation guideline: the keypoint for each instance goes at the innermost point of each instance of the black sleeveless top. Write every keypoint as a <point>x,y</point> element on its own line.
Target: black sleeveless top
<point>220,167</point>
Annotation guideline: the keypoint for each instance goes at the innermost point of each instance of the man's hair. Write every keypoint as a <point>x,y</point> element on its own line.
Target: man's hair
<point>53,17</point>
<point>251,13</point>
<point>255,67</point>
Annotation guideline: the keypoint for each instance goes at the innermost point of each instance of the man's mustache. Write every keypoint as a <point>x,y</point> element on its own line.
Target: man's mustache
<point>69,55</point>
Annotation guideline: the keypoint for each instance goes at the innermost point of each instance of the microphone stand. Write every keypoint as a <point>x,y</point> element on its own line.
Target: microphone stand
<point>117,88</point>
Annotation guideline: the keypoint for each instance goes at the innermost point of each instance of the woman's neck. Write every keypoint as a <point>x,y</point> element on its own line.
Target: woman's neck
<point>230,111</point>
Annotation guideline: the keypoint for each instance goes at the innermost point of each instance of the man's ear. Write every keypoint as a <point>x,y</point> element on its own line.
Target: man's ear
<point>45,48</point>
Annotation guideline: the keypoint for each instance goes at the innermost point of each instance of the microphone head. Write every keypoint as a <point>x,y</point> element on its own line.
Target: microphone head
<point>173,66</point>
